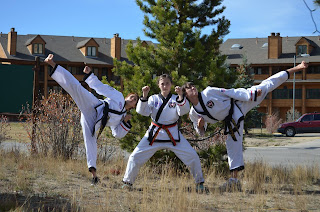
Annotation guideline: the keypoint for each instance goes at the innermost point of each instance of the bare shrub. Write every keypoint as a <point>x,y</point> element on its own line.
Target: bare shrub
<point>4,128</point>
<point>54,126</point>
<point>272,123</point>
<point>289,115</point>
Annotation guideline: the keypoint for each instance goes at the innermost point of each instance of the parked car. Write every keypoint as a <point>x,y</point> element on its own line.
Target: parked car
<point>307,123</point>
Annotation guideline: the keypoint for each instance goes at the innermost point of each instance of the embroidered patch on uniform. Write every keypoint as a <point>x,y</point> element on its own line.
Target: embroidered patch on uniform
<point>120,105</point>
<point>156,103</point>
<point>223,90</point>
<point>172,105</point>
<point>210,104</point>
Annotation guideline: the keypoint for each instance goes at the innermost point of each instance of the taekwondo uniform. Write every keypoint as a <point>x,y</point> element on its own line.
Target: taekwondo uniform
<point>231,105</point>
<point>163,133</point>
<point>95,113</point>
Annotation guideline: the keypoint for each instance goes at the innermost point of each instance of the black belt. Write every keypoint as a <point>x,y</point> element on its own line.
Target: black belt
<point>105,117</point>
<point>228,121</point>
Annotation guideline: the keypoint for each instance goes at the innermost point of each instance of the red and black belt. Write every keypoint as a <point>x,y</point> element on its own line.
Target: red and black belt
<point>152,138</point>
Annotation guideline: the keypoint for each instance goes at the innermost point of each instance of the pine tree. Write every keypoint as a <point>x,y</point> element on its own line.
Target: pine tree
<point>182,51</point>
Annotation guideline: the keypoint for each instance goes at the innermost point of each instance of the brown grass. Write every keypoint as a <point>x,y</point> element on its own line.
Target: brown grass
<point>38,183</point>
<point>49,184</point>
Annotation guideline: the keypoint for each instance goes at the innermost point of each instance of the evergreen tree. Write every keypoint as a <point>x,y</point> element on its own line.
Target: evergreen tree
<point>182,51</point>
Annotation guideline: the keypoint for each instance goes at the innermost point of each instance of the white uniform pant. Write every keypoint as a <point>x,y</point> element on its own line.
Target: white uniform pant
<point>143,152</point>
<point>87,104</point>
<point>235,148</point>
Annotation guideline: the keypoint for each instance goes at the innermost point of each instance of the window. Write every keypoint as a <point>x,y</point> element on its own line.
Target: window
<point>302,49</point>
<point>276,69</point>
<point>91,51</point>
<point>105,72</point>
<point>313,94</point>
<point>317,117</point>
<point>286,94</point>
<point>313,70</point>
<point>95,71</point>
<point>261,70</point>
<point>37,48</point>
<point>307,118</point>
<point>75,70</point>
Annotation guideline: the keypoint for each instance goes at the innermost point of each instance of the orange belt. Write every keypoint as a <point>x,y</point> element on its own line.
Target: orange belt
<point>165,127</point>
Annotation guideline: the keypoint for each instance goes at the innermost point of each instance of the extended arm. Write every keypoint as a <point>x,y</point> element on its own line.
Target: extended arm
<point>98,86</point>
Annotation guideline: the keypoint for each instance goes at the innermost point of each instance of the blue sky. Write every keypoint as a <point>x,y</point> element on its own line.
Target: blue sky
<point>103,18</point>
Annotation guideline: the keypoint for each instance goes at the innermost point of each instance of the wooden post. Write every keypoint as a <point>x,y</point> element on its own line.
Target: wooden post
<point>36,70</point>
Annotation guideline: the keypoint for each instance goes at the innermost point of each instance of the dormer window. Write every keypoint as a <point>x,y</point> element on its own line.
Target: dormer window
<point>91,51</point>
<point>36,45</point>
<point>89,47</point>
<point>37,48</point>
<point>302,49</point>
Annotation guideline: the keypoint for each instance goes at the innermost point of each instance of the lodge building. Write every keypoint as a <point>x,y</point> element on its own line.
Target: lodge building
<point>270,55</point>
<point>266,56</point>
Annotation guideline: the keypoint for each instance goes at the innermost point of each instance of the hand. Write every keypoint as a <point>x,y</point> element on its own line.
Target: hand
<point>200,125</point>
<point>302,65</point>
<point>50,61</point>
<point>178,90</point>
<point>145,91</point>
<point>127,118</point>
<point>259,92</point>
<point>86,70</point>
<point>200,122</point>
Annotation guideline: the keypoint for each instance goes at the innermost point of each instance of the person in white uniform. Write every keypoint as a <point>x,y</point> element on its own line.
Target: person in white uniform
<point>95,113</point>
<point>231,105</point>
<point>163,133</point>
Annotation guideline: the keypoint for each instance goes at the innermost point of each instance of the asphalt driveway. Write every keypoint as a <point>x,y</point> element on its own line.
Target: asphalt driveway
<point>305,154</point>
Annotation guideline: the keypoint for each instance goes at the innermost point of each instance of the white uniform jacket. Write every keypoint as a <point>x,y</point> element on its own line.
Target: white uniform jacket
<point>115,101</point>
<point>169,115</point>
<point>217,100</point>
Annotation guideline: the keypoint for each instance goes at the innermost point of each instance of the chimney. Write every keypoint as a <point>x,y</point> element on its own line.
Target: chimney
<point>274,46</point>
<point>12,42</point>
<point>116,46</point>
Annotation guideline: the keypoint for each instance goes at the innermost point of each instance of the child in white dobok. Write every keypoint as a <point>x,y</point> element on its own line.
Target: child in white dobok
<point>163,133</point>
<point>95,113</point>
<point>231,105</point>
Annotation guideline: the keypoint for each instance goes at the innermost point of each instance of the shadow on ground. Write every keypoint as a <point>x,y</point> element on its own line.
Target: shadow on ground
<point>11,202</point>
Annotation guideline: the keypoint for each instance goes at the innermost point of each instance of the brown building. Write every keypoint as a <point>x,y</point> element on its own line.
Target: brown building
<point>71,52</point>
<point>273,54</point>
<point>266,56</point>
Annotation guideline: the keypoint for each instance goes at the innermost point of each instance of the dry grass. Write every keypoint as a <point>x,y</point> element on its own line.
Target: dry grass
<point>28,182</point>
<point>18,132</point>
<point>48,184</point>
